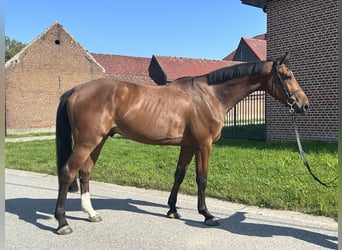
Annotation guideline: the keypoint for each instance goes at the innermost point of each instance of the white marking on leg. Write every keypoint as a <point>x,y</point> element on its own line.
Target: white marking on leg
<point>86,205</point>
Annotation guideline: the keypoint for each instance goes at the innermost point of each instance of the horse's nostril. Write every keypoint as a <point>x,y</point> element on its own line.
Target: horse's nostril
<point>306,107</point>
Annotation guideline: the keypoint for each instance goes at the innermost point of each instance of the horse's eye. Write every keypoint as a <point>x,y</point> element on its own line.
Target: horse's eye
<point>287,77</point>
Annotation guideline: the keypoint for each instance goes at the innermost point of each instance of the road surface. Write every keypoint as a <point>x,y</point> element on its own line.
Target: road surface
<point>135,219</point>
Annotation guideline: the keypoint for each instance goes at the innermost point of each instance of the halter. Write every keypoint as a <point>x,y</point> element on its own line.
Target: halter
<point>291,100</point>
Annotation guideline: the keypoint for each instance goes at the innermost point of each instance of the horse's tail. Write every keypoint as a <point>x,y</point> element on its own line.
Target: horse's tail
<point>63,137</point>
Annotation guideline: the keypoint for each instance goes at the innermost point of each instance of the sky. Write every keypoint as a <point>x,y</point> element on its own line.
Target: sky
<point>183,28</point>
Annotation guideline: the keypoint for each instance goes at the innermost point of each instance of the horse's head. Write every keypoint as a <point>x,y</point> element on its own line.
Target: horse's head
<point>285,87</point>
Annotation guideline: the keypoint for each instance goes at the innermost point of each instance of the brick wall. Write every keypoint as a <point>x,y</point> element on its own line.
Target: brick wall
<point>307,28</point>
<point>37,76</point>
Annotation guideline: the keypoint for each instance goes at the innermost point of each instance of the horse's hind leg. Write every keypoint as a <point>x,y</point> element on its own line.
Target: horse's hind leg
<point>85,174</point>
<point>65,179</point>
<point>185,157</point>
<point>77,158</point>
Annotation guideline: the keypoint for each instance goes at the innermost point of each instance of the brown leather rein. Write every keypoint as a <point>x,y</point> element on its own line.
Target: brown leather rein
<point>302,156</point>
<point>291,102</point>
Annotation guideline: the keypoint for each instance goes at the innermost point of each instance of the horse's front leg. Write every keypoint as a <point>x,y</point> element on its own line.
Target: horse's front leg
<point>202,163</point>
<point>184,160</point>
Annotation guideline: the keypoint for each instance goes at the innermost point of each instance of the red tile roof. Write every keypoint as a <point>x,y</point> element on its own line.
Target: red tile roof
<point>125,68</point>
<point>173,67</point>
<point>176,67</point>
<point>258,46</point>
<point>130,68</point>
<point>123,65</point>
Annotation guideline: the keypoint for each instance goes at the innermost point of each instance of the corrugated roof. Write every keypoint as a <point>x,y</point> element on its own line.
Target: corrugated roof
<point>176,67</point>
<point>258,46</point>
<point>230,57</point>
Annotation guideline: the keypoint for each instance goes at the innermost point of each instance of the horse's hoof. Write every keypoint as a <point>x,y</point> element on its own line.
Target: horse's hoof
<point>95,218</point>
<point>212,222</point>
<point>64,230</point>
<point>173,215</point>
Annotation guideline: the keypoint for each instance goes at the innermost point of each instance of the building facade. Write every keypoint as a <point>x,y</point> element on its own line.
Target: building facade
<point>37,76</point>
<point>309,29</point>
<point>310,32</point>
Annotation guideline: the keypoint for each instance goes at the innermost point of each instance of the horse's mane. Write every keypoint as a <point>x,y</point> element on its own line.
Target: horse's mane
<point>239,70</point>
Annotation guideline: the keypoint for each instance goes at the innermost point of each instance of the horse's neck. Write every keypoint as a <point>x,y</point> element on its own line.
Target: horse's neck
<point>231,92</point>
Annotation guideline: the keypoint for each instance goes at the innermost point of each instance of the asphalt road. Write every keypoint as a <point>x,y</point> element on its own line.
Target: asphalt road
<point>135,219</point>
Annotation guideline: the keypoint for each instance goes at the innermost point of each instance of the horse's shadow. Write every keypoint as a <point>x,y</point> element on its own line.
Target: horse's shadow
<point>34,210</point>
<point>235,224</point>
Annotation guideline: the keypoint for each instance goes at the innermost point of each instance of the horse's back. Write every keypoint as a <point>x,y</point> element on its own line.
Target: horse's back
<point>145,113</point>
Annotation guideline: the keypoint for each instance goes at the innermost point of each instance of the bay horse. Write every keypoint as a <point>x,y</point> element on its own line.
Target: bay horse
<point>188,112</point>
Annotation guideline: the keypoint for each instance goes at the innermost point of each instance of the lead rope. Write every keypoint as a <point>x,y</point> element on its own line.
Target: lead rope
<point>302,156</point>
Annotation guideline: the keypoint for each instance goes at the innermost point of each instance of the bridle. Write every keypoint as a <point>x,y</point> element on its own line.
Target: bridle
<point>291,101</point>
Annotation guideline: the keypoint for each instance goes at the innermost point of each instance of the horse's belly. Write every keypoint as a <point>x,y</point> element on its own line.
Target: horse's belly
<point>152,129</point>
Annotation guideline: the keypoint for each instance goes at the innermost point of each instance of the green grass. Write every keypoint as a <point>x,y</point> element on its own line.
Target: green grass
<point>266,174</point>
<point>30,135</point>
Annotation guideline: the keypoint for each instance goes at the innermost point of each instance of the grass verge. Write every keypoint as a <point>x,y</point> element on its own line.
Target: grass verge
<point>266,174</point>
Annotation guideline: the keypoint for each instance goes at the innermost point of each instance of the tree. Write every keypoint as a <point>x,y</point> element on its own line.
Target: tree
<point>12,47</point>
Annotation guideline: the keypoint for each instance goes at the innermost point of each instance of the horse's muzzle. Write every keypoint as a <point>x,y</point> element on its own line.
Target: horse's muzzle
<point>296,107</point>
<point>305,108</point>
<point>299,109</point>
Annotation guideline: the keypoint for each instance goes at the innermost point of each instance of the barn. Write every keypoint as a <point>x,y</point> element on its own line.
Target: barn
<point>37,76</point>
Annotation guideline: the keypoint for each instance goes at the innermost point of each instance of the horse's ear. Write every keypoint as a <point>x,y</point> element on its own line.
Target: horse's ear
<point>283,59</point>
